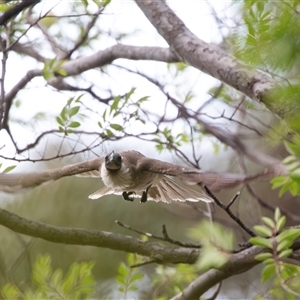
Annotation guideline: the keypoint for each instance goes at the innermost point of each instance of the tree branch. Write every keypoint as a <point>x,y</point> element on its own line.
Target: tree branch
<point>108,55</point>
<point>206,57</point>
<point>238,263</point>
<point>102,239</point>
<point>14,11</point>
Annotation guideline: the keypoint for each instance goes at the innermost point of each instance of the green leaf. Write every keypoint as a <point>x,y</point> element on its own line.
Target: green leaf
<point>60,121</point>
<point>85,3</point>
<point>8,169</point>
<point>269,222</point>
<point>281,222</point>
<point>263,230</point>
<point>285,253</point>
<point>293,166</point>
<point>116,127</point>
<point>268,272</point>
<point>277,214</point>
<point>289,159</point>
<point>115,104</point>
<point>129,94</point>
<point>74,124</point>
<point>292,148</point>
<point>136,277</point>
<point>285,188</point>
<point>63,114</point>
<point>269,261</point>
<point>291,233</point>
<point>285,244</point>
<point>263,256</point>
<point>123,270</point>
<point>262,242</point>
<point>61,72</point>
<point>73,111</point>
<point>109,132</point>
<point>279,181</point>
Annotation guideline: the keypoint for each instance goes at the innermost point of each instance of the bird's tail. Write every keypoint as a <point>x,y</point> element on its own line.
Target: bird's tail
<point>168,190</point>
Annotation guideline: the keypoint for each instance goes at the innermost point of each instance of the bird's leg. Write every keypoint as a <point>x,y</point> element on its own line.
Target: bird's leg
<point>126,195</point>
<point>145,194</point>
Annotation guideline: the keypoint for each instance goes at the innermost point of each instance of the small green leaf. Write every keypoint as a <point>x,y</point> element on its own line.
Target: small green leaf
<point>285,244</point>
<point>136,277</point>
<point>279,181</point>
<point>285,188</point>
<point>285,253</point>
<point>263,230</point>
<point>293,166</point>
<point>73,111</point>
<point>292,148</point>
<point>268,272</point>
<point>262,242</point>
<point>116,127</point>
<point>277,214</point>
<point>269,222</point>
<point>61,72</point>
<point>289,159</point>
<point>109,132</point>
<point>291,233</point>
<point>115,104</point>
<point>63,114</point>
<point>129,94</point>
<point>60,121</point>
<point>123,270</point>
<point>269,261</point>
<point>263,256</point>
<point>8,169</point>
<point>281,222</point>
<point>74,124</point>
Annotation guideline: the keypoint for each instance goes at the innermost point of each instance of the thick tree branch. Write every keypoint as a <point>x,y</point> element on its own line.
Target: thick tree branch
<point>103,239</point>
<point>238,263</point>
<point>108,55</point>
<point>206,57</point>
<point>14,11</point>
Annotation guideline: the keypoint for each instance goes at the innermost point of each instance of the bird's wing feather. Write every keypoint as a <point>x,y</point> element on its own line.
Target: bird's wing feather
<point>102,192</point>
<point>93,174</point>
<point>168,190</point>
<point>12,183</point>
<point>213,180</point>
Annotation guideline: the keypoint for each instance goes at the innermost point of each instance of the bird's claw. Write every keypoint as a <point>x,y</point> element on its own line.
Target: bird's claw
<point>144,197</point>
<point>126,196</point>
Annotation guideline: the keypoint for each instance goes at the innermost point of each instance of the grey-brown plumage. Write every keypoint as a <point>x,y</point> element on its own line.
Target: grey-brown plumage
<point>131,174</point>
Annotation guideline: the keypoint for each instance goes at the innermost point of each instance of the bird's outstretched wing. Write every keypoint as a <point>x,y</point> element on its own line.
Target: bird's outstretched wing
<point>13,183</point>
<point>213,180</point>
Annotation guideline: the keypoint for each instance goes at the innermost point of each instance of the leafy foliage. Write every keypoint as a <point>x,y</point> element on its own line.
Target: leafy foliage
<point>169,281</point>
<point>65,119</point>
<point>50,284</point>
<point>216,244</point>
<point>277,242</point>
<point>127,277</point>
<point>291,182</point>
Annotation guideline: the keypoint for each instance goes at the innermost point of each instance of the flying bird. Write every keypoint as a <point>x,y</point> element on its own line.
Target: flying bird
<point>131,174</point>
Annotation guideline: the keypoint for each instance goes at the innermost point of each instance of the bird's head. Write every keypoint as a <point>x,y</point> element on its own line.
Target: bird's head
<point>113,161</point>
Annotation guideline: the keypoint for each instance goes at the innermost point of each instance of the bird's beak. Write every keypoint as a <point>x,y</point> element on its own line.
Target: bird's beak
<point>113,161</point>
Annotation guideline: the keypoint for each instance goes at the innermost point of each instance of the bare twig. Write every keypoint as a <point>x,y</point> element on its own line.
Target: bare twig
<point>229,212</point>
